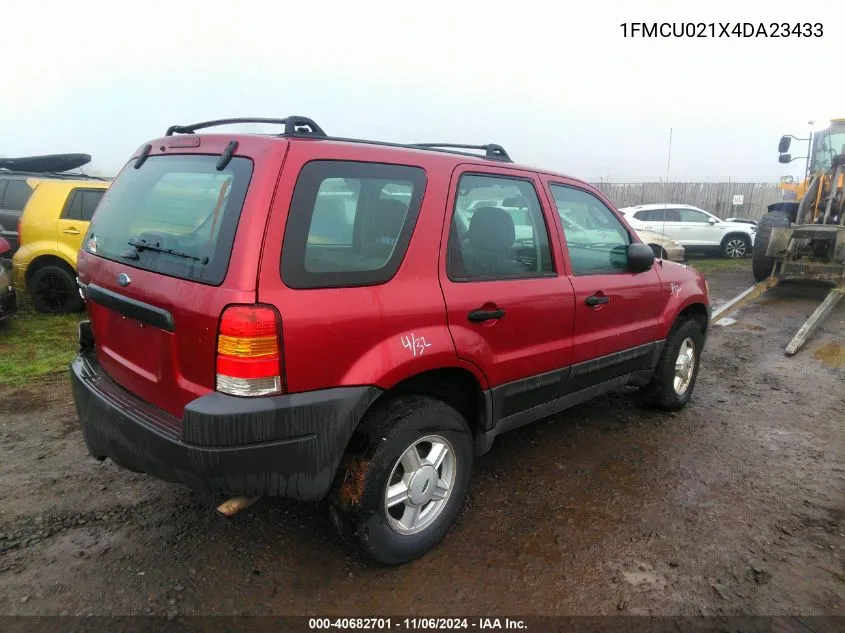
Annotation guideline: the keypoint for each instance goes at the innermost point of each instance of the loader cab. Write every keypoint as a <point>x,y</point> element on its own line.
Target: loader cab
<point>826,145</point>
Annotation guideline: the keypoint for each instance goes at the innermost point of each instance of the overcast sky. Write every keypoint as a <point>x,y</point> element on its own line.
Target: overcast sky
<point>556,83</point>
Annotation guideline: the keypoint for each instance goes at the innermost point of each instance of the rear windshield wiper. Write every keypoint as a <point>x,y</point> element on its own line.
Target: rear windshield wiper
<point>144,245</point>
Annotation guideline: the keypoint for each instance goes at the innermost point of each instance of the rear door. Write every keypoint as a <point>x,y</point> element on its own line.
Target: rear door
<point>172,244</point>
<point>14,194</point>
<point>664,221</point>
<point>697,229</point>
<point>75,217</point>
<point>509,305</point>
<point>616,311</point>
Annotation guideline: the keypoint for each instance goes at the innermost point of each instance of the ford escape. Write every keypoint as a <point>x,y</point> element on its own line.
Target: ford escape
<point>322,318</point>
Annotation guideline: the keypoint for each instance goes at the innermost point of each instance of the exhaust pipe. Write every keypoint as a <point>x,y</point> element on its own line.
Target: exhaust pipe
<point>234,505</point>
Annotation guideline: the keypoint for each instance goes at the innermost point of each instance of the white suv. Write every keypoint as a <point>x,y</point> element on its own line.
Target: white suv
<point>698,230</point>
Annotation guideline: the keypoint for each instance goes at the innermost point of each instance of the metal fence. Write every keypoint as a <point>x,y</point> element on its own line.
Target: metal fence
<point>715,197</point>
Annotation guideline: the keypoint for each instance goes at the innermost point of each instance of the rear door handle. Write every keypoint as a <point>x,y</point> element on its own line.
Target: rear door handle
<point>71,231</point>
<point>479,316</point>
<point>596,300</point>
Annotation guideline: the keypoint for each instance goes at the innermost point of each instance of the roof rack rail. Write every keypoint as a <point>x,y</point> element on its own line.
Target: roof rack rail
<point>294,126</point>
<point>491,150</point>
<point>53,175</point>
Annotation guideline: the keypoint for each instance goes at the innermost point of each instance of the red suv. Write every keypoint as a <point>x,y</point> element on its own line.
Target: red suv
<point>315,317</point>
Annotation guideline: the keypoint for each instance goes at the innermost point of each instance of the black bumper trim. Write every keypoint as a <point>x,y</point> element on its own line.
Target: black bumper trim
<point>8,304</point>
<point>306,436</point>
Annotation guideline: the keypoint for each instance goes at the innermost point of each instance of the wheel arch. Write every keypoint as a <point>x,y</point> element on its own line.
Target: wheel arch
<point>737,233</point>
<point>48,260</point>
<point>456,386</point>
<point>696,312</point>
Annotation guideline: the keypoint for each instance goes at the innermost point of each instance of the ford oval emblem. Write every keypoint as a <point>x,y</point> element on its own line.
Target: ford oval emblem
<point>123,280</point>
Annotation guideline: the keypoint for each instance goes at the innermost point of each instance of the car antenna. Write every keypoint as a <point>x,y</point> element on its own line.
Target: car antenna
<point>665,186</point>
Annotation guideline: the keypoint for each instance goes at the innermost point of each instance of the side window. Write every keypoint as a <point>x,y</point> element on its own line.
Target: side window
<point>16,195</point>
<point>90,199</point>
<point>597,241</point>
<point>497,231</point>
<point>334,212</point>
<point>653,215</point>
<point>73,208</point>
<point>81,204</point>
<point>691,215</point>
<point>350,223</point>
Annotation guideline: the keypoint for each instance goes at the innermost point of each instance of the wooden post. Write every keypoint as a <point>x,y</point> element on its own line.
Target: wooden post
<point>744,297</point>
<point>815,320</point>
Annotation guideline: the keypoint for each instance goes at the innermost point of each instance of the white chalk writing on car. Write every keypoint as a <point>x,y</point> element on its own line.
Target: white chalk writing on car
<point>415,344</point>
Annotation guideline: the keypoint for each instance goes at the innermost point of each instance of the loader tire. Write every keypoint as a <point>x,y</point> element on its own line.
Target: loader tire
<point>762,265</point>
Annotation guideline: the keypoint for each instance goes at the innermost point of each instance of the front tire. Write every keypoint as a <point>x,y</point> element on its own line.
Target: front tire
<point>53,290</point>
<point>674,378</point>
<point>400,490</point>
<point>762,265</point>
<point>735,247</point>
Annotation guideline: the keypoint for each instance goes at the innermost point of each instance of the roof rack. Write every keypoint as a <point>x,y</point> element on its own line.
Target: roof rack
<point>45,163</point>
<point>294,126</point>
<point>306,128</point>
<point>52,175</point>
<point>54,166</point>
<point>491,150</point>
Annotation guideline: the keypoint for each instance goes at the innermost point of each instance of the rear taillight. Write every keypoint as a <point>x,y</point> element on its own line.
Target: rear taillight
<point>249,351</point>
<point>4,246</point>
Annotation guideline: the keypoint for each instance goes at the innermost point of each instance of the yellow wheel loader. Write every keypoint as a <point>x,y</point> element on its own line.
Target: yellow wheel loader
<point>804,237</point>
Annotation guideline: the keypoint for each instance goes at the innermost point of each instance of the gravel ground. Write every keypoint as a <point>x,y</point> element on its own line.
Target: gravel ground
<point>735,505</point>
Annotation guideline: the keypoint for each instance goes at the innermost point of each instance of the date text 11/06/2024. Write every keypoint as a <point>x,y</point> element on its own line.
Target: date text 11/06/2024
<point>423,624</point>
<point>722,29</point>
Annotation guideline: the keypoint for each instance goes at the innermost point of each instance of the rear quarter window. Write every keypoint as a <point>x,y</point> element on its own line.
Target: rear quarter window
<point>15,195</point>
<point>177,213</point>
<point>81,204</point>
<point>350,223</point>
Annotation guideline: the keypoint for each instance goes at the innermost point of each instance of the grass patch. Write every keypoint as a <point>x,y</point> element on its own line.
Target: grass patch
<point>709,265</point>
<point>34,345</point>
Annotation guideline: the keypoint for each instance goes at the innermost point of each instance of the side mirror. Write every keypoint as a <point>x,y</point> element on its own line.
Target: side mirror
<point>640,257</point>
<point>712,220</point>
<point>785,158</point>
<point>783,146</point>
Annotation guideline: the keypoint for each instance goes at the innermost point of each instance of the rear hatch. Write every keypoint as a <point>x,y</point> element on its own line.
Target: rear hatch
<point>173,242</point>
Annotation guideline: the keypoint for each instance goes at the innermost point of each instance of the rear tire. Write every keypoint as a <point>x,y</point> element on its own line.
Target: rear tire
<point>397,438</point>
<point>674,378</point>
<point>735,247</point>
<point>53,290</point>
<point>761,265</point>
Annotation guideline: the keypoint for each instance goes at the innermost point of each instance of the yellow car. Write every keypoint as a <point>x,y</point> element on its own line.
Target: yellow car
<point>51,229</point>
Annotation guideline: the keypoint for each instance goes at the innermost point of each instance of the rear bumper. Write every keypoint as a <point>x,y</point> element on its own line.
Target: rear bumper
<point>288,446</point>
<point>18,276</point>
<point>675,253</point>
<point>8,297</point>
<point>8,303</point>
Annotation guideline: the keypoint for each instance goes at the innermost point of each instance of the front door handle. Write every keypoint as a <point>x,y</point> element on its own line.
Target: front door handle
<point>481,315</point>
<point>71,231</point>
<point>596,300</point>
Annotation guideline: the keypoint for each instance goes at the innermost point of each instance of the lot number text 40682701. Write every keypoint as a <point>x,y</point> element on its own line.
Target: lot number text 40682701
<point>422,624</point>
<point>722,29</point>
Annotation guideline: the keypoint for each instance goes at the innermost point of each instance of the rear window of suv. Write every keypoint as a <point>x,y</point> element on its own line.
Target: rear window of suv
<point>175,215</point>
<point>350,223</point>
